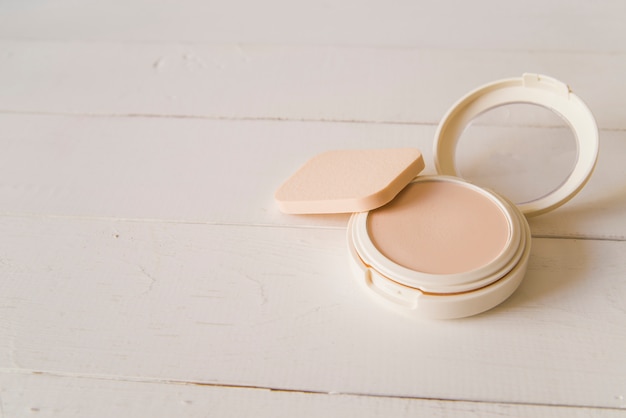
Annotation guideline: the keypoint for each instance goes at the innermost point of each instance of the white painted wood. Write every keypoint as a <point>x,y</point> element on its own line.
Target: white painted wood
<point>54,396</point>
<point>274,82</point>
<point>142,257</point>
<point>225,172</point>
<point>551,25</point>
<point>276,307</point>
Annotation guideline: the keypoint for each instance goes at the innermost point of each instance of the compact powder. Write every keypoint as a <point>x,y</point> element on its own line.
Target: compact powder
<point>440,227</point>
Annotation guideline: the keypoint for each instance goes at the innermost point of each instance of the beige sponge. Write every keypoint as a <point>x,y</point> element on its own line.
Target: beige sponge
<point>349,180</point>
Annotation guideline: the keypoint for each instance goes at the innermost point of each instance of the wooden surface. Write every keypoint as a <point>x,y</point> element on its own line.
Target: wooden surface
<point>144,267</point>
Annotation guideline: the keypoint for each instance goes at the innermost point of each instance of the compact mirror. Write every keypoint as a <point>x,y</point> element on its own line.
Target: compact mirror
<point>522,151</point>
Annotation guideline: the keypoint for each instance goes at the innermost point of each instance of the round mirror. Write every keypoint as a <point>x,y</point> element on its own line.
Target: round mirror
<point>521,151</point>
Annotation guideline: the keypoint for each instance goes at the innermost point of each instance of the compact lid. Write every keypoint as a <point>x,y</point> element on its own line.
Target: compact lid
<point>534,89</point>
<point>346,181</point>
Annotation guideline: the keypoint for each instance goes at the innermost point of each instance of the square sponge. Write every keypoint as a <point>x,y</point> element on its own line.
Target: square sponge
<point>345,181</point>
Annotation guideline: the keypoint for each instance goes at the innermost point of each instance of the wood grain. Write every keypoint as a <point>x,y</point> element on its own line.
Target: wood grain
<point>52,395</point>
<point>225,172</point>
<point>277,307</point>
<point>281,82</point>
<point>549,25</point>
<point>145,270</point>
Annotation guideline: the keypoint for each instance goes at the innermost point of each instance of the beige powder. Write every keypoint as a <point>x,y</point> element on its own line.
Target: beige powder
<point>439,227</point>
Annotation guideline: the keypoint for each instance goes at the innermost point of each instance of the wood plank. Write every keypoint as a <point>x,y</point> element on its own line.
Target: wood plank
<point>225,172</point>
<point>48,396</point>
<point>547,25</point>
<point>274,82</point>
<point>144,267</point>
<point>276,307</point>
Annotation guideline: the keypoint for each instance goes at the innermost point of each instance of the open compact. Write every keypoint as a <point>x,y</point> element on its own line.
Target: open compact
<point>439,246</point>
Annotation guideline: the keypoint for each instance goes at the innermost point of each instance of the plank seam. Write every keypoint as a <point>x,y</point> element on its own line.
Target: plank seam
<point>212,118</point>
<point>268,119</point>
<point>148,380</point>
<point>244,225</point>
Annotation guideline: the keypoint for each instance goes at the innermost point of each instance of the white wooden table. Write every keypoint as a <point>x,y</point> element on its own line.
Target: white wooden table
<point>145,270</point>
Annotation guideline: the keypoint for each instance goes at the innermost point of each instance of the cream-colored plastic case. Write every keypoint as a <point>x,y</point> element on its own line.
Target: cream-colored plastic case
<point>463,293</point>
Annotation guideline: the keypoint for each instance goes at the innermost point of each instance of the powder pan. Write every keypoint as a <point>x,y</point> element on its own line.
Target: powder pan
<point>441,296</point>
<point>507,252</point>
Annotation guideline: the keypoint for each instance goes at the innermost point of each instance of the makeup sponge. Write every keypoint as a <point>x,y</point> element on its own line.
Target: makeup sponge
<point>345,181</point>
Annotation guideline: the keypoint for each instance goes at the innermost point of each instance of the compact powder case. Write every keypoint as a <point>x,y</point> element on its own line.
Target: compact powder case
<point>439,246</point>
